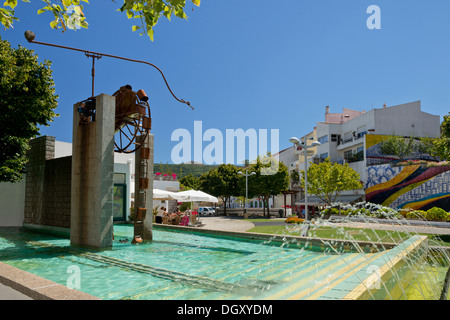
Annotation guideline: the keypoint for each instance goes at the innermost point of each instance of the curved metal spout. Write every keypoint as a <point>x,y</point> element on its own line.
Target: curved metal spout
<point>30,36</point>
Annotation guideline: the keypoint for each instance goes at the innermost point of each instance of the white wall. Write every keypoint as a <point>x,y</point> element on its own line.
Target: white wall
<point>406,120</point>
<point>126,159</point>
<point>287,156</point>
<point>329,147</point>
<point>360,167</point>
<point>63,149</point>
<point>12,202</point>
<point>173,186</point>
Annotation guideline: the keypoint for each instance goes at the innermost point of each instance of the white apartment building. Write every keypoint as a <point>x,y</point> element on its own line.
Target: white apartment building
<point>342,134</point>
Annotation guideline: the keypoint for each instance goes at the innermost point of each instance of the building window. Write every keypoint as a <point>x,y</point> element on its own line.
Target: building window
<point>348,155</point>
<point>323,139</point>
<point>354,155</point>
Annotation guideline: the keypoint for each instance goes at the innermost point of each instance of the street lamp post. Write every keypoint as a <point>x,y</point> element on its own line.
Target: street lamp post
<point>246,175</point>
<point>297,143</point>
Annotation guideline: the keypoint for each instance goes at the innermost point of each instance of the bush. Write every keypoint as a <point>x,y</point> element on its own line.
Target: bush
<point>436,213</point>
<point>330,211</point>
<point>377,212</point>
<point>416,214</point>
<point>386,213</point>
<point>294,219</point>
<point>349,212</point>
<point>404,212</point>
<point>346,212</point>
<point>360,211</point>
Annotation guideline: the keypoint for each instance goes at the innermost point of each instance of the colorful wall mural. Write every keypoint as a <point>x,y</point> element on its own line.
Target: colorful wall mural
<point>411,186</point>
<point>417,186</point>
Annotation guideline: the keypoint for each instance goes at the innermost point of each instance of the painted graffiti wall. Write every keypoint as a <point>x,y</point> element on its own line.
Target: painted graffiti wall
<point>412,186</point>
<point>416,186</point>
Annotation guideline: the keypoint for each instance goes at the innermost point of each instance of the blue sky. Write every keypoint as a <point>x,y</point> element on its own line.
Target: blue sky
<point>253,64</point>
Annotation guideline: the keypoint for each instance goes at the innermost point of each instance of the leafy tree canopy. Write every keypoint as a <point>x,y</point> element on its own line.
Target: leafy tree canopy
<point>27,100</point>
<point>271,178</point>
<point>68,14</point>
<point>190,182</point>
<point>221,182</point>
<point>327,180</point>
<point>398,146</point>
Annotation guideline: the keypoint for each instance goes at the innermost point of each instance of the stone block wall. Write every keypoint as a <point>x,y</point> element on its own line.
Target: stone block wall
<point>57,186</point>
<point>47,185</point>
<point>41,149</point>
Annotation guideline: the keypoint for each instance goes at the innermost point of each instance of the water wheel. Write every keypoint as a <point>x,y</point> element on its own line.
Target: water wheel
<point>132,119</point>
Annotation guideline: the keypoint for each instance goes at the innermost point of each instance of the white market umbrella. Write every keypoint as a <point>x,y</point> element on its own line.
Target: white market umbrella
<point>198,196</point>
<point>159,194</point>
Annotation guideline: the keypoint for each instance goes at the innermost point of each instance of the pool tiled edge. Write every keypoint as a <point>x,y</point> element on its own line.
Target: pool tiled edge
<point>381,278</point>
<point>36,287</point>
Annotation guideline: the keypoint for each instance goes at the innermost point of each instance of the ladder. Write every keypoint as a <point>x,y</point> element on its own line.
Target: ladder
<point>143,188</point>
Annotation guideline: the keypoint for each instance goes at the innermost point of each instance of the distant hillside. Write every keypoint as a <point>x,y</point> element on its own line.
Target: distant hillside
<point>183,169</point>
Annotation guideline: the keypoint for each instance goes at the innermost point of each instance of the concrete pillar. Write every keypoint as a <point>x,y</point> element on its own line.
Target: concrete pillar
<point>145,231</point>
<point>91,221</point>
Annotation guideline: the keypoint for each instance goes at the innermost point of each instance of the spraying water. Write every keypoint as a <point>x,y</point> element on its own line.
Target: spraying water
<point>385,228</point>
<point>425,275</point>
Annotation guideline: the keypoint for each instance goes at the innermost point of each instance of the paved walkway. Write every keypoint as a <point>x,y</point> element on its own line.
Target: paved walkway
<point>7,293</point>
<point>226,223</point>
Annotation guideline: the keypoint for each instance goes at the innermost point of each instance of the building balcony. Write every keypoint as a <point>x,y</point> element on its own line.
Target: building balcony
<point>350,143</point>
<point>353,138</point>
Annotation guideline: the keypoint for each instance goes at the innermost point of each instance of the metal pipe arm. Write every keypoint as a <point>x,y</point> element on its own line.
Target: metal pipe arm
<point>29,35</point>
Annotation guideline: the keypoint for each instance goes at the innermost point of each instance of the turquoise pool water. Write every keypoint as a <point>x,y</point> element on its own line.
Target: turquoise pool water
<point>174,266</point>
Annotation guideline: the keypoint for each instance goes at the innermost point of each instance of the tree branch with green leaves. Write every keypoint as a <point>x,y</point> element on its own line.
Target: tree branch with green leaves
<point>398,146</point>
<point>69,15</point>
<point>27,100</point>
